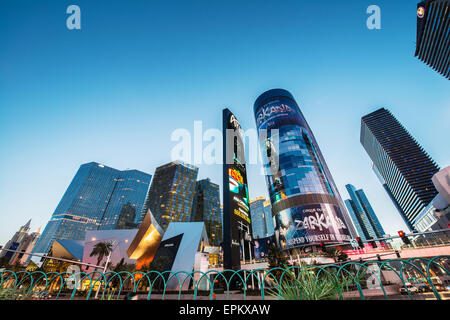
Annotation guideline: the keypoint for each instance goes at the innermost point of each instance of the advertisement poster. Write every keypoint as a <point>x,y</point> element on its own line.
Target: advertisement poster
<point>261,248</point>
<point>310,224</point>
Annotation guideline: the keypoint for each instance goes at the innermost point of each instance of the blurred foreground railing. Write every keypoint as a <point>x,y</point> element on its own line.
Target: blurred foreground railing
<point>350,280</point>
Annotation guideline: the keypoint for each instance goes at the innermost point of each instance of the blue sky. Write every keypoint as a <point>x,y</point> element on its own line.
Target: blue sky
<point>114,91</point>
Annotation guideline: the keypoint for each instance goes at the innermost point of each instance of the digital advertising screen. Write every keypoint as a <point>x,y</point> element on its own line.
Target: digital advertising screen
<point>237,219</point>
<point>261,247</point>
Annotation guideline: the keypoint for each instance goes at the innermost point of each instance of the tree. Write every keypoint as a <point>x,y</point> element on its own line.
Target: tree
<point>336,254</point>
<point>4,262</point>
<point>276,257</point>
<point>158,264</point>
<point>101,250</point>
<point>122,266</point>
<point>277,260</point>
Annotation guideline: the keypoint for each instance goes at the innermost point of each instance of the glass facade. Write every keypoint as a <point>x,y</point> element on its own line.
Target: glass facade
<point>96,195</point>
<point>376,225</point>
<point>433,36</point>
<point>401,164</point>
<point>300,167</point>
<point>171,193</point>
<point>206,208</point>
<point>127,217</point>
<point>262,222</point>
<point>366,222</point>
<point>130,190</point>
<point>305,201</point>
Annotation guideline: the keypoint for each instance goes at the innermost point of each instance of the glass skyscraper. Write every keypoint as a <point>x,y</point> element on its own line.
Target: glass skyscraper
<point>433,36</point>
<point>93,200</point>
<point>262,222</point>
<point>127,217</point>
<point>171,193</point>
<point>364,218</point>
<point>401,164</point>
<point>129,192</point>
<point>305,201</point>
<point>206,208</point>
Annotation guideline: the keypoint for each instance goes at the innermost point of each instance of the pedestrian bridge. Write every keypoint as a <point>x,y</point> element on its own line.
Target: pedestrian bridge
<point>405,253</point>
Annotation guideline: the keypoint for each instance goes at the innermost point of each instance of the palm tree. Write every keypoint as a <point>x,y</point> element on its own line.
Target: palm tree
<point>276,257</point>
<point>101,250</point>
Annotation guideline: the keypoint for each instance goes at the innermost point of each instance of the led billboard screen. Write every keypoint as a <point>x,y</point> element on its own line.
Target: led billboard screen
<point>236,214</point>
<point>305,202</point>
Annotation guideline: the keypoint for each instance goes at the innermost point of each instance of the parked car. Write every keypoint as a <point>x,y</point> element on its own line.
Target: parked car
<point>41,295</point>
<point>424,288</point>
<point>439,287</point>
<point>412,289</point>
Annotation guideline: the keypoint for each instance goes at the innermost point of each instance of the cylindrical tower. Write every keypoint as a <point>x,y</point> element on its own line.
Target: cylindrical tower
<point>306,205</point>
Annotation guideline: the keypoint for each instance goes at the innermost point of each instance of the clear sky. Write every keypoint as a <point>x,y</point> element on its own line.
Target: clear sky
<point>114,91</point>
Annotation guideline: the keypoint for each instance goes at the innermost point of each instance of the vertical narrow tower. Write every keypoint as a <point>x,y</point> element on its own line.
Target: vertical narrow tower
<point>237,233</point>
<point>401,164</point>
<point>363,215</point>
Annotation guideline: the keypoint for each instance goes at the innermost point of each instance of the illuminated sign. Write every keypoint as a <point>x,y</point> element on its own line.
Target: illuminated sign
<point>421,12</point>
<point>236,208</point>
<point>267,112</point>
<point>234,122</point>
<point>236,175</point>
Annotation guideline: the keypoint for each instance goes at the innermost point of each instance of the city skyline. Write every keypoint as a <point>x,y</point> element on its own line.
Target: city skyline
<point>364,218</point>
<point>84,105</point>
<point>93,201</point>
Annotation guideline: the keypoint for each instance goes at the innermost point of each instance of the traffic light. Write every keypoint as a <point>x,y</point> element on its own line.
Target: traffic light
<point>322,245</point>
<point>373,243</point>
<point>360,243</point>
<point>404,238</point>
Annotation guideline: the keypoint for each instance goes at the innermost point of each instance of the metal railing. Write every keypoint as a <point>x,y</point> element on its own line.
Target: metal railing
<point>359,278</point>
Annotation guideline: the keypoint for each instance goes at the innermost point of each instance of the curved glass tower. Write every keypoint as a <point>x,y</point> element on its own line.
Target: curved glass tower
<point>306,205</point>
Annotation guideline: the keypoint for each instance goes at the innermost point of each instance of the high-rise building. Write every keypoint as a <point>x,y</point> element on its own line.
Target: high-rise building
<point>433,38</point>
<point>27,247</point>
<point>93,200</point>
<point>22,242</point>
<point>307,207</point>
<point>127,217</point>
<point>206,208</point>
<point>364,218</point>
<point>262,222</point>
<point>401,164</point>
<point>171,193</point>
<point>130,190</point>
